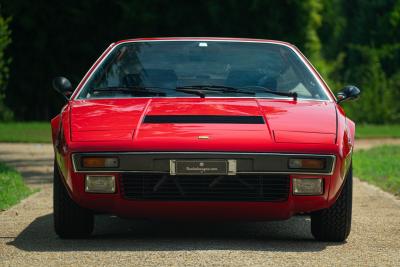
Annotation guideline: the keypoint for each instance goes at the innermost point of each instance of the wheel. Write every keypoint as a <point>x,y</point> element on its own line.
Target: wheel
<point>334,223</point>
<point>70,220</point>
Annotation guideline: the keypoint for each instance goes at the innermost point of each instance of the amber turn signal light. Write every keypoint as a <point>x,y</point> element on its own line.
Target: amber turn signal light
<point>315,164</point>
<point>100,162</point>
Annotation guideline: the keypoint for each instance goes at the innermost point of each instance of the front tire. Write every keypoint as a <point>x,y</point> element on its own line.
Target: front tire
<point>334,223</point>
<point>70,220</point>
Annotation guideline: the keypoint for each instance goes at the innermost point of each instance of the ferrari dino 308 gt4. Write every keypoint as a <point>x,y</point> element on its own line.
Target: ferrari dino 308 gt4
<point>203,129</point>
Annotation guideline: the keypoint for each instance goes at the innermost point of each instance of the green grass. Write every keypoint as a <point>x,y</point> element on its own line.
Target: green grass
<point>379,166</point>
<point>25,132</point>
<point>12,187</point>
<point>377,131</point>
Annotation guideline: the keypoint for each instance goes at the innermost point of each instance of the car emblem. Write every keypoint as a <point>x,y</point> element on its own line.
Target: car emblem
<point>203,137</point>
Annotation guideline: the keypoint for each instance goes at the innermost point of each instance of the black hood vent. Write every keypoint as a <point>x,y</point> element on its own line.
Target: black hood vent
<point>203,119</point>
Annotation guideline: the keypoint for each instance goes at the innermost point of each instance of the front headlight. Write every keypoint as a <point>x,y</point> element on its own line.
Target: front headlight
<point>100,184</point>
<point>308,186</point>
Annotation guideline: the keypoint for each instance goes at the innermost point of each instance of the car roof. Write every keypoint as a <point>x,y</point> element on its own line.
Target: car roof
<point>233,39</point>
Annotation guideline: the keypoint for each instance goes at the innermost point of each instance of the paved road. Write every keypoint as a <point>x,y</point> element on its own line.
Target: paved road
<point>27,237</point>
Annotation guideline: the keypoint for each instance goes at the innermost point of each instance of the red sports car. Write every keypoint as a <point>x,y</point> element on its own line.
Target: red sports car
<point>203,129</point>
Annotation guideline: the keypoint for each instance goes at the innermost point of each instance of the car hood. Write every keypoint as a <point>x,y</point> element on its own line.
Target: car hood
<point>244,121</point>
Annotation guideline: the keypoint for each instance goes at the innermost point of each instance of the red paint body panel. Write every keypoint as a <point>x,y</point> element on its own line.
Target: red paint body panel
<point>300,116</point>
<point>120,118</point>
<point>116,125</point>
<point>106,114</point>
<point>304,137</point>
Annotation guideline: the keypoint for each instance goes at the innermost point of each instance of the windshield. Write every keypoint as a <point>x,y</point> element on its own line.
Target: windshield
<point>163,68</point>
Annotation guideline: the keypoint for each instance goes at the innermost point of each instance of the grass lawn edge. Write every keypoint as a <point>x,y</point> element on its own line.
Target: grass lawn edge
<point>12,187</point>
<point>379,166</point>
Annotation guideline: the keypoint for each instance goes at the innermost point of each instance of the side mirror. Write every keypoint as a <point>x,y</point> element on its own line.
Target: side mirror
<point>349,92</point>
<point>63,86</point>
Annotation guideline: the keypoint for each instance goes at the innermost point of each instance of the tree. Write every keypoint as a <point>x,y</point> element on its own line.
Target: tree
<point>5,41</point>
<point>349,42</point>
<point>363,39</point>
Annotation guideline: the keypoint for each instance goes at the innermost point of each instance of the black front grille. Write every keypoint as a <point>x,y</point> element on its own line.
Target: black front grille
<point>244,187</point>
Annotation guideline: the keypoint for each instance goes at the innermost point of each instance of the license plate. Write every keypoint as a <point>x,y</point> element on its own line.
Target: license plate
<point>202,167</point>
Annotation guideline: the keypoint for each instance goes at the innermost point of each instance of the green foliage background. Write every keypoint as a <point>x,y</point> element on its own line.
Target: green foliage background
<point>349,41</point>
<point>5,40</point>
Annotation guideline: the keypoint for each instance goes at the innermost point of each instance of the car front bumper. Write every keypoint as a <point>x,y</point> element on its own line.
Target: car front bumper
<point>193,209</point>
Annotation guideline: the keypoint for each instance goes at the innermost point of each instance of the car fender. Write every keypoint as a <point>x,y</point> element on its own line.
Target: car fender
<point>345,143</point>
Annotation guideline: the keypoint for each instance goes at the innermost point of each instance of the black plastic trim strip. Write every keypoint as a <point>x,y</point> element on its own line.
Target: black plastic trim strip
<point>203,119</point>
<point>159,162</point>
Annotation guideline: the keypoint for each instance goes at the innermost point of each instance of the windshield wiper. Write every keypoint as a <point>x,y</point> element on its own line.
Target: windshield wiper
<point>201,90</point>
<point>269,91</point>
<point>136,90</point>
<point>290,94</point>
<point>194,91</point>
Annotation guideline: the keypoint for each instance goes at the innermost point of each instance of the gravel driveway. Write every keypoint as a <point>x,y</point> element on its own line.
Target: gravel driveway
<point>27,236</point>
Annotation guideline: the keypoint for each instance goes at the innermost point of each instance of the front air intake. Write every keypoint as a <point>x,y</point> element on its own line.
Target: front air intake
<point>243,187</point>
<point>203,119</point>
